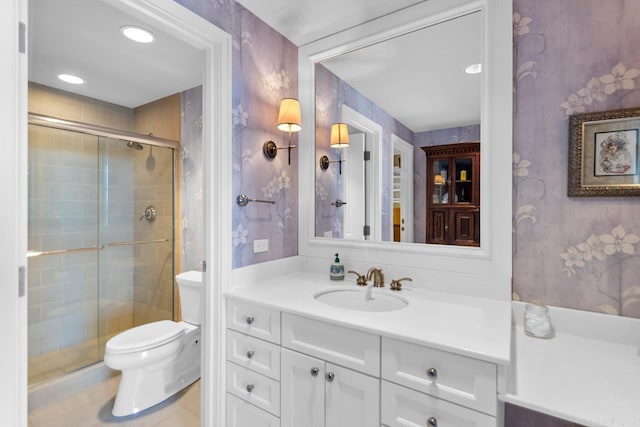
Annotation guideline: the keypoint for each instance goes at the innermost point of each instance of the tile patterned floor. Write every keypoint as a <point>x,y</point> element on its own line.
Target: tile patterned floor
<point>92,408</point>
<point>56,363</point>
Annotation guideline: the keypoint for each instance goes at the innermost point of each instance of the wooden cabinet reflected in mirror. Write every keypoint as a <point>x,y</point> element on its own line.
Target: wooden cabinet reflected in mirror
<point>453,194</point>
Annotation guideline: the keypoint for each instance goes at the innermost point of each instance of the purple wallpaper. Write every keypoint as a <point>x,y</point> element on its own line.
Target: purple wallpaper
<point>570,57</point>
<point>265,70</point>
<point>331,94</point>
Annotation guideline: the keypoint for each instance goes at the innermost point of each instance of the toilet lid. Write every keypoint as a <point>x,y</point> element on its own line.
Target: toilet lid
<point>145,337</point>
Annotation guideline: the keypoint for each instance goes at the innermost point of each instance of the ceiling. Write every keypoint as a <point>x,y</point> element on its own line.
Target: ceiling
<point>425,88</point>
<point>82,37</point>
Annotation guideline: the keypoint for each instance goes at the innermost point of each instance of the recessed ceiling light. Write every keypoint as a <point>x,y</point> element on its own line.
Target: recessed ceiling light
<point>70,78</point>
<point>137,34</point>
<point>473,69</point>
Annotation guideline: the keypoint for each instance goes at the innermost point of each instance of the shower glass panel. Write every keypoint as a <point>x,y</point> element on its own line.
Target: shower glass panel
<point>96,268</point>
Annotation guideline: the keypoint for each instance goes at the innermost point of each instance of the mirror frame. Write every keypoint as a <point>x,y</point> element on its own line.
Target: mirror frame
<point>483,271</point>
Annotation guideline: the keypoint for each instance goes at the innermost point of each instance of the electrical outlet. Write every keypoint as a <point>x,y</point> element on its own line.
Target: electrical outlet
<point>261,245</point>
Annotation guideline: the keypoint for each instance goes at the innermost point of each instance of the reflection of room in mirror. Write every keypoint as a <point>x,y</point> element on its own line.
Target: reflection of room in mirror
<point>427,99</point>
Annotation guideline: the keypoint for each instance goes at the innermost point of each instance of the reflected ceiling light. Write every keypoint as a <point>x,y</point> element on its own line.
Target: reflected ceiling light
<point>339,139</point>
<point>70,78</point>
<point>473,69</point>
<point>289,120</point>
<point>137,34</point>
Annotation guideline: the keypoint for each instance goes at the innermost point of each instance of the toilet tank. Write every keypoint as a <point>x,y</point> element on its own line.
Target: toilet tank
<point>191,298</point>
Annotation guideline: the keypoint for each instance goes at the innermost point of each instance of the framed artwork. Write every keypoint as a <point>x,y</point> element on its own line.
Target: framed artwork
<point>604,154</point>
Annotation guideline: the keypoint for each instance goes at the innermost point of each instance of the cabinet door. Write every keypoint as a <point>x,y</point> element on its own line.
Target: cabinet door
<point>465,227</point>
<point>352,399</point>
<point>438,226</point>
<point>302,384</point>
<point>243,414</point>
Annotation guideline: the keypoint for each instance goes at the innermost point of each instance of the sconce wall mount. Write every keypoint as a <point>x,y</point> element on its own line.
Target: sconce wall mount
<point>289,120</point>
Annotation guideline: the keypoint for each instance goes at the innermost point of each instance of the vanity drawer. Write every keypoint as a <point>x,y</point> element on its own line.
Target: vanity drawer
<point>459,379</point>
<point>250,319</point>
<point>252,353</point>
<point>254,388</point>
<point>404,407</point>
<point>344,346</point>
<point>243,414</point>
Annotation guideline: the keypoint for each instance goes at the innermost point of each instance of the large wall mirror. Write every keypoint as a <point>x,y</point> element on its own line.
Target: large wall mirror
<point>396,96</point>
<point>398,84</point>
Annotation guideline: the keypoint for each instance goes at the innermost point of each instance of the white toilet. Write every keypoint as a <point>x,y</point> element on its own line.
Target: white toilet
<point>160,358</point>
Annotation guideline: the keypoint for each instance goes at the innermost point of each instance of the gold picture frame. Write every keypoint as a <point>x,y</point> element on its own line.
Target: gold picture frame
<point>604,154</point>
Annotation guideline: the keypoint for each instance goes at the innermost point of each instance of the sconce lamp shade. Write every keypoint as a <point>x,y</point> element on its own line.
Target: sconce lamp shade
<point>339,135</point>
<point>289,117</point>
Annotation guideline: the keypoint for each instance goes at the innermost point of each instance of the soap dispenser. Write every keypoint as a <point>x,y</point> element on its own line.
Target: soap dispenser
<point>337,269</point>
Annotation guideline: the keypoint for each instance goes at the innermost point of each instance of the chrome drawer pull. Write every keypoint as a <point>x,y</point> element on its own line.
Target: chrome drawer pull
<point>250,354</point>
<point>250,320</point>
<point>250,388</point>
<point>330,376</point>
<point>432,422</point>
<point>432,373</point>
<point>315,371</point>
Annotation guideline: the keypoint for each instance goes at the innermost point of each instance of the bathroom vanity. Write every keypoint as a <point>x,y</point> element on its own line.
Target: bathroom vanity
<point>293,360</point>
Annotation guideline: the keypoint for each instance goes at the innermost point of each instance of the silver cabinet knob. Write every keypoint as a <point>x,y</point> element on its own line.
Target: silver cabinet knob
<point>250,388</point>
<point>432,373</point>
<point>250,354</point>
<point>315,371</point>
<point>432,422</point>
<point>330,376</point>
<point>250,320</point>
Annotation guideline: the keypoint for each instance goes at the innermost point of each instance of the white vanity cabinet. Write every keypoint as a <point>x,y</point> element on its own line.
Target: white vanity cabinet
<point>316,393</point>
<point>330,375</point>
<point>286,370</point>
<point>253,365</point>
<point>423,386</point>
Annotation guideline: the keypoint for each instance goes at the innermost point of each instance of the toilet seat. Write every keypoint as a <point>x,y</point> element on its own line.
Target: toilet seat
<point>145,337</point>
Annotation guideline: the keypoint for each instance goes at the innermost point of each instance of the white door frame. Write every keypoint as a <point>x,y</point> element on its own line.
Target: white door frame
<point>406,152</point>
<point>216,46</point>
<point>373,133</point>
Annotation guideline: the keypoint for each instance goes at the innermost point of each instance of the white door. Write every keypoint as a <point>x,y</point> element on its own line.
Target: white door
<point>13,216</point>
<point>352,398</point>
<point>302,386</point>
<point>354,187</point>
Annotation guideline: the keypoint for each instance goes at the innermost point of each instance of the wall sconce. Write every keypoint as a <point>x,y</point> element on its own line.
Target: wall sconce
<point>339,139</point>
<point>289,119</point>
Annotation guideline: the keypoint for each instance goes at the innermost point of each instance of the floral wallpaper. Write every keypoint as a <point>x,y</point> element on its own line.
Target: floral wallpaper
<point>265,70</point>
<point>571,57</point>
<point>191,180</point>
<point>331,94</point>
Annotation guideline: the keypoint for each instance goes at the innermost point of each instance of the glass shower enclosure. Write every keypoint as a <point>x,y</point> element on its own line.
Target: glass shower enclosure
<point>101,240</point>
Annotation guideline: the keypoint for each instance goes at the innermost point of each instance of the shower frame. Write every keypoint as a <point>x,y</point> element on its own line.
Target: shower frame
<point>102,131</point>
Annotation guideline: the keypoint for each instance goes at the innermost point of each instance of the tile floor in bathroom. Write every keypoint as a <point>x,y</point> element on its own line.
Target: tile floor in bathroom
<point>92,408</point>
<point>56,363</point>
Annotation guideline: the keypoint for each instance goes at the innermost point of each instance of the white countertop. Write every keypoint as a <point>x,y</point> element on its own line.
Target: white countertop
<point>588,373</point>
<point>470,326</point>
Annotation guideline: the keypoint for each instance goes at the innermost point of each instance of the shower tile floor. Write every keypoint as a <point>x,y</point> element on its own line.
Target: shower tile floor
<point>60,362</point>
<point>92,408</point>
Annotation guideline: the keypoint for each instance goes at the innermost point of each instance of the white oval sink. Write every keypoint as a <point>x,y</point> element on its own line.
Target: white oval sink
<point>355,299</point>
